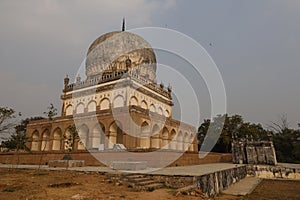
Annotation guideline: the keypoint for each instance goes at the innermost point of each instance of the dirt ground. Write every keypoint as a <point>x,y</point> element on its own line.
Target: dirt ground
<point>271,189</point>
<point>33,184</point>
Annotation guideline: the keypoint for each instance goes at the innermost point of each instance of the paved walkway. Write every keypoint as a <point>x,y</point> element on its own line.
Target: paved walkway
<point>243,187</point>
<point>289,165</point>
<point>192,170</point>
<point>195,170</point>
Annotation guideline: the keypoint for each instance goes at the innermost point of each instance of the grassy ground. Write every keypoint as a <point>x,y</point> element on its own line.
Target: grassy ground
<point>33,184</point>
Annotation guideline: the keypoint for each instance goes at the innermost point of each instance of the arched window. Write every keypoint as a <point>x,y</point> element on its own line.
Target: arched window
<point>167,113</point>
<point>144,105</point>
<point>152,108</point>
<point>118,101</point>
<point>69,110</point>
<point>91,106</point>
<point>104,104</point>
<point>133,101</point>
<point>160,111</point>
<point>80,108</point>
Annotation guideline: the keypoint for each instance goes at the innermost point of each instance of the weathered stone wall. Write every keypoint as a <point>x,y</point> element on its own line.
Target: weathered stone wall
<point>210,184</point>
<point>175,181</point>
<point>253,152</point>
<point>274,172</point>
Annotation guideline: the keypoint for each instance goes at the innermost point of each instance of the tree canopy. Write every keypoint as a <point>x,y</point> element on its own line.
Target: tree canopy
<point>285,139</point>
<point>6,122</point>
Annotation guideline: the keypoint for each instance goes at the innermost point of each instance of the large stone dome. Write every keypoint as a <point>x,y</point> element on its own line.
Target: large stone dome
<point>119,51</point>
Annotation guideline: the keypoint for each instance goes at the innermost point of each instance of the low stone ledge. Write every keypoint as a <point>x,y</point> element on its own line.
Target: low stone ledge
<point>66,163</point>
<point>129,165</point>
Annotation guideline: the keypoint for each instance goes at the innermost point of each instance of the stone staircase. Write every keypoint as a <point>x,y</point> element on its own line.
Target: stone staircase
<point>139,182</point>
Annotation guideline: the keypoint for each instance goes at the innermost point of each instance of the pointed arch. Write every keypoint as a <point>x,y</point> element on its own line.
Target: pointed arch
<point>155,140</point>
<point>167,113</point>
<point>91,107</point>
<point>104,104</point>
<point>152,108</point>
<point>179,141</point>
<point>133,101</point>
<point>118,101</point>
<point>115,134</point>
<point>97,136</point>
<point>165,138</point>
<point>145,135</point>
<point>69,110</point>
<point>173,141</point>
<point>83,133</point>
<point>155,130</point>
<point>160,111</point>
<point>35,141</point>
<point>45,140</point>
<point>144,105</point>
<point>79,108</point>
<point>57,138</point>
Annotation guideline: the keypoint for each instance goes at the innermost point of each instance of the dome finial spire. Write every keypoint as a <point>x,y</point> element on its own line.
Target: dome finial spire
<point>123,25</point>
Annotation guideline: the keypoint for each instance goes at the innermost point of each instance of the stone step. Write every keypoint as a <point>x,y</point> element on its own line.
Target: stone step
<point>133,176</point>
<point>138,181</point>
<point>144,183</point>
<point>141,179</point>
<point>154,186</point>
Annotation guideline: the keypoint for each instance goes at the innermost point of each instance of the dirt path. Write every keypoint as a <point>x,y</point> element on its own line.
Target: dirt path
<point>33,184</point>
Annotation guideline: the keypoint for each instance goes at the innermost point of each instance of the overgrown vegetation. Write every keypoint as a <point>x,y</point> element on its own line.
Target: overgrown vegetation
<point>286,140</point>
<point>51,112</point>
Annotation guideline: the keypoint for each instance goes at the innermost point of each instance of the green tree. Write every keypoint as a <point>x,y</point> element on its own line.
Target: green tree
<point>201,133</point>
<point>18,138</point>
<point>229,126</point>
<point>71,139</point>
<point>52,112</point>
<point>6,121</point>
<point>286,141</point>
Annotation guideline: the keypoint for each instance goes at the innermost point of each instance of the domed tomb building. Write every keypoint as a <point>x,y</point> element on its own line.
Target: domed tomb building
<point>116,101</point>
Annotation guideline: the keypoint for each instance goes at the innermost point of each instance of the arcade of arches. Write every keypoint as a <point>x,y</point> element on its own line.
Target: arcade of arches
<point>101,136</point>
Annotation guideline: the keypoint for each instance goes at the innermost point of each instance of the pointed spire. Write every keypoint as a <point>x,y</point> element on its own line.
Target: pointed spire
<point>123,25</point>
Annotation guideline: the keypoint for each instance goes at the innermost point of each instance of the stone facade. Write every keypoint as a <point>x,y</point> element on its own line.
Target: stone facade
<point>253,152</point>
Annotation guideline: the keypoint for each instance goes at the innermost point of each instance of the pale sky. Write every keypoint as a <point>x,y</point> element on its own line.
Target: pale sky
<point>255,44</point>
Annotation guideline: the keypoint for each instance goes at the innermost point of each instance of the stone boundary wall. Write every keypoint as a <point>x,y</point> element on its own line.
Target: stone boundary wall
<point>274,172</point>
<point>34,158</point>
<point>210,184</point>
